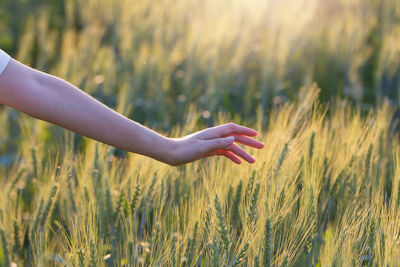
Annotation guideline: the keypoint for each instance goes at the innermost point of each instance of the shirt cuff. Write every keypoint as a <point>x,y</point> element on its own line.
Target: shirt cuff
<point>4,59</point>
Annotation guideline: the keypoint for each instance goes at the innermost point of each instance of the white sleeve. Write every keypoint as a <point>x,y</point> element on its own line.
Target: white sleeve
<point>4,59</point>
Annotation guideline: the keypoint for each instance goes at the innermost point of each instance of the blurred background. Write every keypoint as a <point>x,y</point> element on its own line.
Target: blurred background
<point>324,191</point>
<point>152,60</point>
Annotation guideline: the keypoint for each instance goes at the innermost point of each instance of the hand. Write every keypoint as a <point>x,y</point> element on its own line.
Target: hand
<point>219,140</point>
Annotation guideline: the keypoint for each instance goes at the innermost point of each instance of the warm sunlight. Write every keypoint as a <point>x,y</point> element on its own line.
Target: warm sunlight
<point>196,133</point>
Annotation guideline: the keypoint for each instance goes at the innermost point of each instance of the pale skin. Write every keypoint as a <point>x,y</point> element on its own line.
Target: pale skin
<point>54,100</point>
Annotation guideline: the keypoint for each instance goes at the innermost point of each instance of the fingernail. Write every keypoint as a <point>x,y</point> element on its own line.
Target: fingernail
<point>230,139</point>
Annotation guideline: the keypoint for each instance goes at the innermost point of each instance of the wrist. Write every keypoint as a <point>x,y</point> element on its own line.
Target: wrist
<point>171,151</point>
<point>166,150</point>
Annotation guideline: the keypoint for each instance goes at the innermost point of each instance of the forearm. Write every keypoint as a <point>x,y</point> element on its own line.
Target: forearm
<point>54,100</point>
<point>57,101</point>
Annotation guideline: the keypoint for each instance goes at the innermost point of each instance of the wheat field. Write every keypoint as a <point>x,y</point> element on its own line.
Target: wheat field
<point>324,191</point>
<point>319,80</point>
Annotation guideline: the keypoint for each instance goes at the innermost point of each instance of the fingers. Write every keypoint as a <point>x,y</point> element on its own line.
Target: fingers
<point>225,146</point>
<point>229,155</point>
<point>228,129</point>
<point>208,146</point>
<point>248,141</point>
<point>241,153</point>
<point>231,152</point>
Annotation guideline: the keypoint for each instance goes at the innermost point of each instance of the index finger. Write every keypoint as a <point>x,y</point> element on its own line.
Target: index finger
<point>230,128</point>
<point>248,141</point>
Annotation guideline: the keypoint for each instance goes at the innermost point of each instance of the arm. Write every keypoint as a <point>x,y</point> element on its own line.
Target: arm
<point>51,99</point>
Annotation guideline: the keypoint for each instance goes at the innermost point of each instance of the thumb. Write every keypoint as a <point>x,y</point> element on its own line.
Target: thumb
<point>219,143</point>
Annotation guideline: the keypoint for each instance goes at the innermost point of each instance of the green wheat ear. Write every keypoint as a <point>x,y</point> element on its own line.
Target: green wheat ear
<point>6,255</point>
<point>193,246</point>
<point>216,252</point>
<point>15,180</point>
<point>34,163</point>
<point>162,193</point>
<point>48,206</point>
<point>267,244</point>
<point>368,163</point>
<point>36,220</point>
<point>235,220</point>
<point>92,260</point>
<point>135,198</point>
<point>281,159</point>
<point>252,215</point>
<point>118,208</point>
<point>311,149</point>
<point>206,227</point>
<point>371,241</point>
<point>71,194</point>
<point>250,185</point>
<point>130,253</point>
<point>242,254</point>
<point>17,238</point>
<point>229,197</point>
<point>257,261</point>
<point>86,194</point>
<point>221,224</point>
